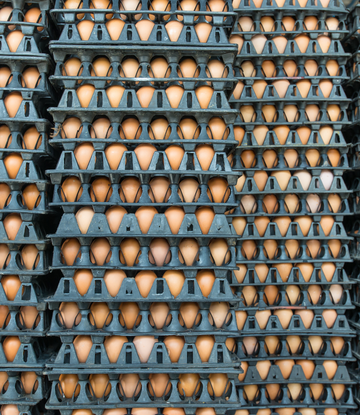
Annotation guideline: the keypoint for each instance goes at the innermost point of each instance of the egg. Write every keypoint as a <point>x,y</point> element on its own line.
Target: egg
<point>144,281</point>
<point>100,386</point>
<point>145,95</point>
<point>129,315</point>
<point>11,345</point>
<point>174,346</point>
<point>205,279</point>
<point>9,409</point>
<point>85,27</point>
<point>219,314</point>
<point>71,128</point>
<point>113,346</point>
<point>12,164</point>
<point>159,384</point>
<point>188,384</point>
<point>5,79</point>
<point>114,216</point>
<point>175,216</point>
<point>307,317</point>
<point>158,67</point>
<point>72,67</point>
<point>101,190</point>
<point>308,367</point>
<point>4,255</point>
<point>159,129</point>
<point>129,68</point>
<point>217,129</point>
<point>175,281</point>
<point>13,40</point>
<point>188,315</point>
<point>69,314</point>
<point>31,139</point>
<point>69,385</point>
<point>11,285</point>
<point>70,251</point>
<point>82,279</point>
<point>263,367</point>
<point>6,14</point>
<point>4,316</point>
<point>284,317</point>
<point>85,93</point>
<point>174,94</point>
<point>205,216</point>
<point>100,315</point>
<point>144,346</point>
<point>218,384</point>
<point>113,280</point>
<point>272,344</point>
<point>144,28</point>
<point>129,251</point>
<point>130,190</point>
<point>129,385</point>
<point>82,345</point>
<point>30,257</point>
<point>159,252</point>
<point>145,216</point>
<point>101,128</point>
<point>189,190</point>
<point>5,136</point>
<point>30,78</point>
<point>29,317</point>
<point>101,67</point>
<point>12,223</point>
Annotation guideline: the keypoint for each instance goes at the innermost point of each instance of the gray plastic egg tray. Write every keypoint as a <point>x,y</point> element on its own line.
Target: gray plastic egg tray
<point>16,327</point>
<point>221,360</point>
<point>175,135</point>
<point>28,47</point>
<point>15,264</point>
<point>28,233</point>
<point>129,165</point>
<point>30,110</point>
<point>116,397</point>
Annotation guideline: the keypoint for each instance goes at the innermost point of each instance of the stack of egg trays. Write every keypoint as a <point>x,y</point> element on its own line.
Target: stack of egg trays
<point>23,347</point>
<point>261,269</point>
<point>158,44</point>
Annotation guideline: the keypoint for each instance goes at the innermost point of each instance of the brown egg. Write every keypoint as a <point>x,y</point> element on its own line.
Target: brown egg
<point>144,154</point>
<point>100,315</point>
<point>113,280</point>
<point>113,346</point>
<point>30,78</point>
<point>70,251</point>
<point>71,189</point>
<point>144,28</point>
<point>205,279</point>
<point>101,190</point>
<point>175,281</point>
<point>189,384</point>
<point>129,68</point>
<point>101,67</point>
<point>29,382</point>
<point>144,346</point>
<point>130,191</point>
<point>174,346</point>
<point>29,317</point>
<point>159,191</point>
<point>250,392</point>
<point>174,216</point>
<point>130,249</point>
<point>188,129</point>
<point>219,314</point>
<point>313,202</point>
<point>159,384</point>
<point>11,345</point>
<point>315,344</point>
<point>189,190</point>
<point>5,135</point>
<point>205,154</point>
<point>129,315</point>
<point>30,257</point>
<point>314,293</point>
<point>239,224</point>
<point>114,153</point>
<point>4,316</point>
<point>241,317</point>
<point>31,139</point>
<point>271,292</point>
<point>329,317</point>
<point>159,253</point>
<point>244,367</point>
<point>218,384</point>
<point>204,95</point>
<point>72,67</point>
<point>101,128</point>
<point>69,314</point>
<point>145,95</point>
<point>13,40</point>
<point>308,367</point>
<point>114,216</point>
<point>284,316</point>
<point>158,66</point>
<point>12,224</point>
<point>188,315</point>
<point>100,386</point>
<point>307,317</point>
<point>13,163</point>
<point>337,344</point>
<point>4,255</point>
<point>115,27</point>
<point>85,27</point>
<point>11,285</point>
<point>204,345</point>
<point>6,15</point>
<point>283,270</point>
<point>9,409</point>
<point>218,190</point>
<point>262,317</point>
<point>129,384</point>
<point>84,217</point>
<point>240,273</point>
<point>218,129</point>
<point>205,216</point>
<point>188,68</point>
<point>82,345</point>
<point>159,129</point>
<point>71,128</point>
<point>100,251</point>
<point>263,368</point>
<point>272,343</point>
<point>220,253</point>
<point>144,281</point>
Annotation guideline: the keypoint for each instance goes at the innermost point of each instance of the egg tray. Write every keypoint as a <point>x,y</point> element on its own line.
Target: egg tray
<point>299,28</point>
<point>175,138</point>
<point>301,120</point>
<point>295,278</point>
<point>29,111</point>
<point>294,231</point>
<point>260,301</point>
<point>353,115</point>
<point>15,393</point>
<point>159,105</point>
<point>129,165</point>
<point>60,78</point>
<point>28,233</point>
<point>355,162</point>
<point>272,142</point>
<point>304,353</point>
<point>302,209</point>
<point>86,397</point>
<point>18,63</point>
<point>221,360</point>
<point>292,51</point>
<point>44,154</point>
<point>27,47</point>
<point>292,7</point>
<point>129,292</point>
<point>297,375</point>
<point>129,40</point>
<point>294,187</point>
<point>354,249</point>
<point>28,173</point>
<point>280,163</point>
<point>305,399</point>
<point>191,411</point>
<point>16,326</point>
<point>45,22</point>
<point>144,200</point>
<point>15,264</point>
<point>205,260</point>
<point>292,96</point>
<point>281,255</point>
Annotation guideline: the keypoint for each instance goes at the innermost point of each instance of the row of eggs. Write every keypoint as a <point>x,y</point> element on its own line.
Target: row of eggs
<point>144,154</point>
<point>189,317</point>
<point>158,128</point>
<point>283,223</point>
<point>29,383</point>
<point>174,94</point>
<point>283,177</point>
<point>270,70</point>
<point>129,385</point>
<point>144,29</point>
<point>204,345</point>
<point>145,216</point>
<point>259,41</point>
<point>158,68</point>
<point>30,77</point>
<point>291,113</point>
<point>159,191</point>
<point>280,3</point>
<point>100,251</point>
<point>33,15</point>
<point>199,411</point>
<point>31,139</point>
<point>288,23</point>
<point>30,196</point>
<point>29,256</point>
<point>283,85</point>
<point>291,157</point>
<point>28,317</point>
<point>153,5</point>
<point>306,269</point>
<point>270,203</point>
